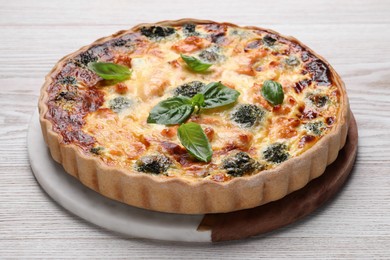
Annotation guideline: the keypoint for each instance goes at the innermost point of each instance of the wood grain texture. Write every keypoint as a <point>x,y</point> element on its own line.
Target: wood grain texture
<point>354,36</point>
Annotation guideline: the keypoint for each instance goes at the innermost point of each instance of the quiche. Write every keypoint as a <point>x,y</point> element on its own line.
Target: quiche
<point>194,116</point>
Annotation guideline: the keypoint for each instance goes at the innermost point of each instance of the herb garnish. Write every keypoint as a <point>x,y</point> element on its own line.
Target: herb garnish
<point>272,91</point>
<point>171,111</point>
<point>193,138</point>
<point>195,64</point>
<point>110,71</point>
<point>177,110</point>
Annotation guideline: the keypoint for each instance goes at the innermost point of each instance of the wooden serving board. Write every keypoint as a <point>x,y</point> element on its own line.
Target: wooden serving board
<point>250,222</point>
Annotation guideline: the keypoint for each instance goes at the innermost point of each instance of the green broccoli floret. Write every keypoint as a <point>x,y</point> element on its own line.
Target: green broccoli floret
<point>292,61</point>
<point>155,164</point>
<point>119,103</point>
<point>269,40</point>
<point>318,100</point>
<point>66,96</point>
<point>156,32</point>
<point>67,80</point>
<point>211,55</point>
<point>276,153</point>
<point>189,30</point>
<point>96,150</point>
<point>239,164</point>
<point>247,115</point>
<point>189,89</point>
<point>208,56</point>
<point>315,128</point>
<point>84,58</point>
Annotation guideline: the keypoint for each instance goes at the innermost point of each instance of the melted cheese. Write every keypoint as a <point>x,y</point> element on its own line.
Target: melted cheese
<point>158,70</point>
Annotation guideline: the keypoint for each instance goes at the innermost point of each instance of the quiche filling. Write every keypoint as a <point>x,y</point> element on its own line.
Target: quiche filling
<point>284,100</point>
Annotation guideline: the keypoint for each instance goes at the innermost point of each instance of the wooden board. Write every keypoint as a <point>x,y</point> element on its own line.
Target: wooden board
<point>250,222</point>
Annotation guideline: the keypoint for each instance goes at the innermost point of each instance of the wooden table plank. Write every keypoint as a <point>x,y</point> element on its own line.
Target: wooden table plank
<point>76,13</point>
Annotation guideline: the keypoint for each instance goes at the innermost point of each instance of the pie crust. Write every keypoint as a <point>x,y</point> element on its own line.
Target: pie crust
<point>178,195</point>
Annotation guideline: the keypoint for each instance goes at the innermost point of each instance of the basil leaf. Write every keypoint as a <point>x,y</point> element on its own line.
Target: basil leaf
<point>110,71</point>
<point>195,64</point>
<point>193,138</point>
<point>198,100</point>
<point>216,95</point>
<point>171,111</point>
<point>272,91</point>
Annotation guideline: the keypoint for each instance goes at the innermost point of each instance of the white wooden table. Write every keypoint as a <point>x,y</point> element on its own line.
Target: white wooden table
<point>355,38</point>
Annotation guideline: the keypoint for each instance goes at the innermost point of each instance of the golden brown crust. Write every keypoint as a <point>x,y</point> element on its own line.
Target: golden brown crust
<point>182,196</point>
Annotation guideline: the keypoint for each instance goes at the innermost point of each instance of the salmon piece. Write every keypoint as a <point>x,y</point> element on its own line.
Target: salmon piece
<point>190,44</point>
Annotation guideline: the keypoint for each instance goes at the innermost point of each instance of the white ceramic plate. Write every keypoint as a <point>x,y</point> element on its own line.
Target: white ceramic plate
<point>99,210</point>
